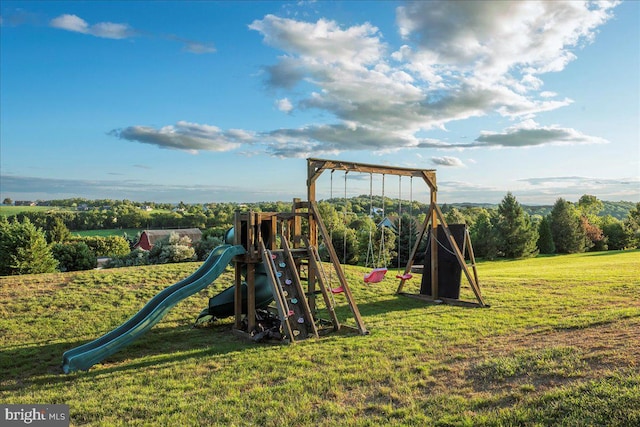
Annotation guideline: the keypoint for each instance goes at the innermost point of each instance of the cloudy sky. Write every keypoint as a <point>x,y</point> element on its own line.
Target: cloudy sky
<point>223,101</point>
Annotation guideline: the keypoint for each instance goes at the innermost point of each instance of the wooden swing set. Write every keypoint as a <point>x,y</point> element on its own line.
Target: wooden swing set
<point>433,220</point>
<point>283,246</point>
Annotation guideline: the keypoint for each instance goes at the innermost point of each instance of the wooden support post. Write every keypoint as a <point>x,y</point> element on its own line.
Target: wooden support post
<point>314,263</point>
<point>434,245</point>
<point>336,265</point>
<point>472,256</point>
<point>251,297</point>
<point>237,296</point>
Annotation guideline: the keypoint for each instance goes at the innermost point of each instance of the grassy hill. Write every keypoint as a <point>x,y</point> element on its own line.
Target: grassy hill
<point>558,346</point>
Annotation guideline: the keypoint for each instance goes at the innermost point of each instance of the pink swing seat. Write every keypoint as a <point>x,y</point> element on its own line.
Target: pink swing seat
<point>404,276</point>
<point>375,276</point>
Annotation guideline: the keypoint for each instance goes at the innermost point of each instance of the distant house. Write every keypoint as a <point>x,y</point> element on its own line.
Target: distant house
<point>388,222</point>
<point>148,238</point>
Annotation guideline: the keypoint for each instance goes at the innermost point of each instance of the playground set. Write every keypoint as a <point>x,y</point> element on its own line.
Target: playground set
<point>279,274</point>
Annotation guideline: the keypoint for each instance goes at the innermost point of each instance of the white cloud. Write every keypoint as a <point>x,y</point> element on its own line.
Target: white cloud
<point>284,105</point>
<point>447,161</point>
<point>112,30</point>
<point>198,48</point>
<point>529,133</point>
<point>186,136</point>
<point>493,37</point>
<point>460,60</point>
<point>107,30</point>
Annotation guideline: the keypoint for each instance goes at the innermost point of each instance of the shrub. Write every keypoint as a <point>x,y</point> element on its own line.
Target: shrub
<point>205,246</point>
<point>172,248</point>
<point>24,249</point>
<point>110,246</point>
<point>74,256</point>
<point>133,258</point>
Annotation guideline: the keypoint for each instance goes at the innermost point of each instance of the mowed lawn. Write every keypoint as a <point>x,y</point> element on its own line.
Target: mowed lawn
<point>560,345</point>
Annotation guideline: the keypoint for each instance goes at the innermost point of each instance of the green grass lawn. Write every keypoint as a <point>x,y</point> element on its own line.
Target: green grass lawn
<point>131,232</point>
<point>14,210</point>
<point>560,345</point>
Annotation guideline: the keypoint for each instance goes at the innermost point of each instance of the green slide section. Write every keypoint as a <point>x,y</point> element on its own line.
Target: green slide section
<point>87,355</point>
<point>222,305</point>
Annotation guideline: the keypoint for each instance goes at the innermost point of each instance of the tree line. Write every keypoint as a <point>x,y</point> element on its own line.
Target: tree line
<point>368,231</point>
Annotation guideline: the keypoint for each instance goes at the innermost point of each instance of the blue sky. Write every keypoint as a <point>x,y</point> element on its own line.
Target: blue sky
<point>223,101</point>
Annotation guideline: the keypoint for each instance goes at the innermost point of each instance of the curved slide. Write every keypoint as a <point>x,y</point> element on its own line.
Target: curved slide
<point>87,355</point>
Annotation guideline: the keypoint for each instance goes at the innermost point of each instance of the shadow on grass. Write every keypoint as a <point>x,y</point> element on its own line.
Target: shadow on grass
<point>40,364</point>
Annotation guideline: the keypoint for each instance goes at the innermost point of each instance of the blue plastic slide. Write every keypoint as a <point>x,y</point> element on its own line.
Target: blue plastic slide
<point>87,355</point>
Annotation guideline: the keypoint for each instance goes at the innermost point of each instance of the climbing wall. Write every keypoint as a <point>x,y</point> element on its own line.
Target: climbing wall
<point>297,320</point>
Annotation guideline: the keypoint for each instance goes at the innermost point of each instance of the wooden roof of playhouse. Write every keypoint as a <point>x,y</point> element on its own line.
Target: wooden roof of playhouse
<point>148,238</point>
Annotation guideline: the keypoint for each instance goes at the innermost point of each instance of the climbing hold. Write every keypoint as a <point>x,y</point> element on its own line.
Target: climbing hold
<point>279,274</point>
<point>274,256</point>
<point>294,300</point>
<point>282,264</point>
<point>291,313</point>
<point>300,319</point>
<point>287,282</point>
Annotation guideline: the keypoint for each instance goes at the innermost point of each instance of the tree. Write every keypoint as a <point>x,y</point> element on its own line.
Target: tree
<point>632,227</point>
<point>454,216</point>
<point>614,232</point>
<point>589,206</point>
<point>516,237</point>
<point>483,236</point>
<point>7,201</point>
<point>545,239</point>
<point>568,234</point>
<point>24,249</point>
<point>74,256</point>
<point>594,237</point>
<point>58,233</point>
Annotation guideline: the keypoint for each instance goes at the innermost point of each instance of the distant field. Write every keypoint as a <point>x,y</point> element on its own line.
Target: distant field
<point>13,210</point>
<point>558,346</point>
<point>131,232</point>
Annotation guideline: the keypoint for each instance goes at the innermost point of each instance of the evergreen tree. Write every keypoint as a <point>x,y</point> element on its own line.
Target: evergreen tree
<point>58,233</point>
<point>24,249</point>
<point>483,236</point>
<point>515,234</point>
<point>545,239</point>
<point>568,234</point>
<point>632,227</point>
